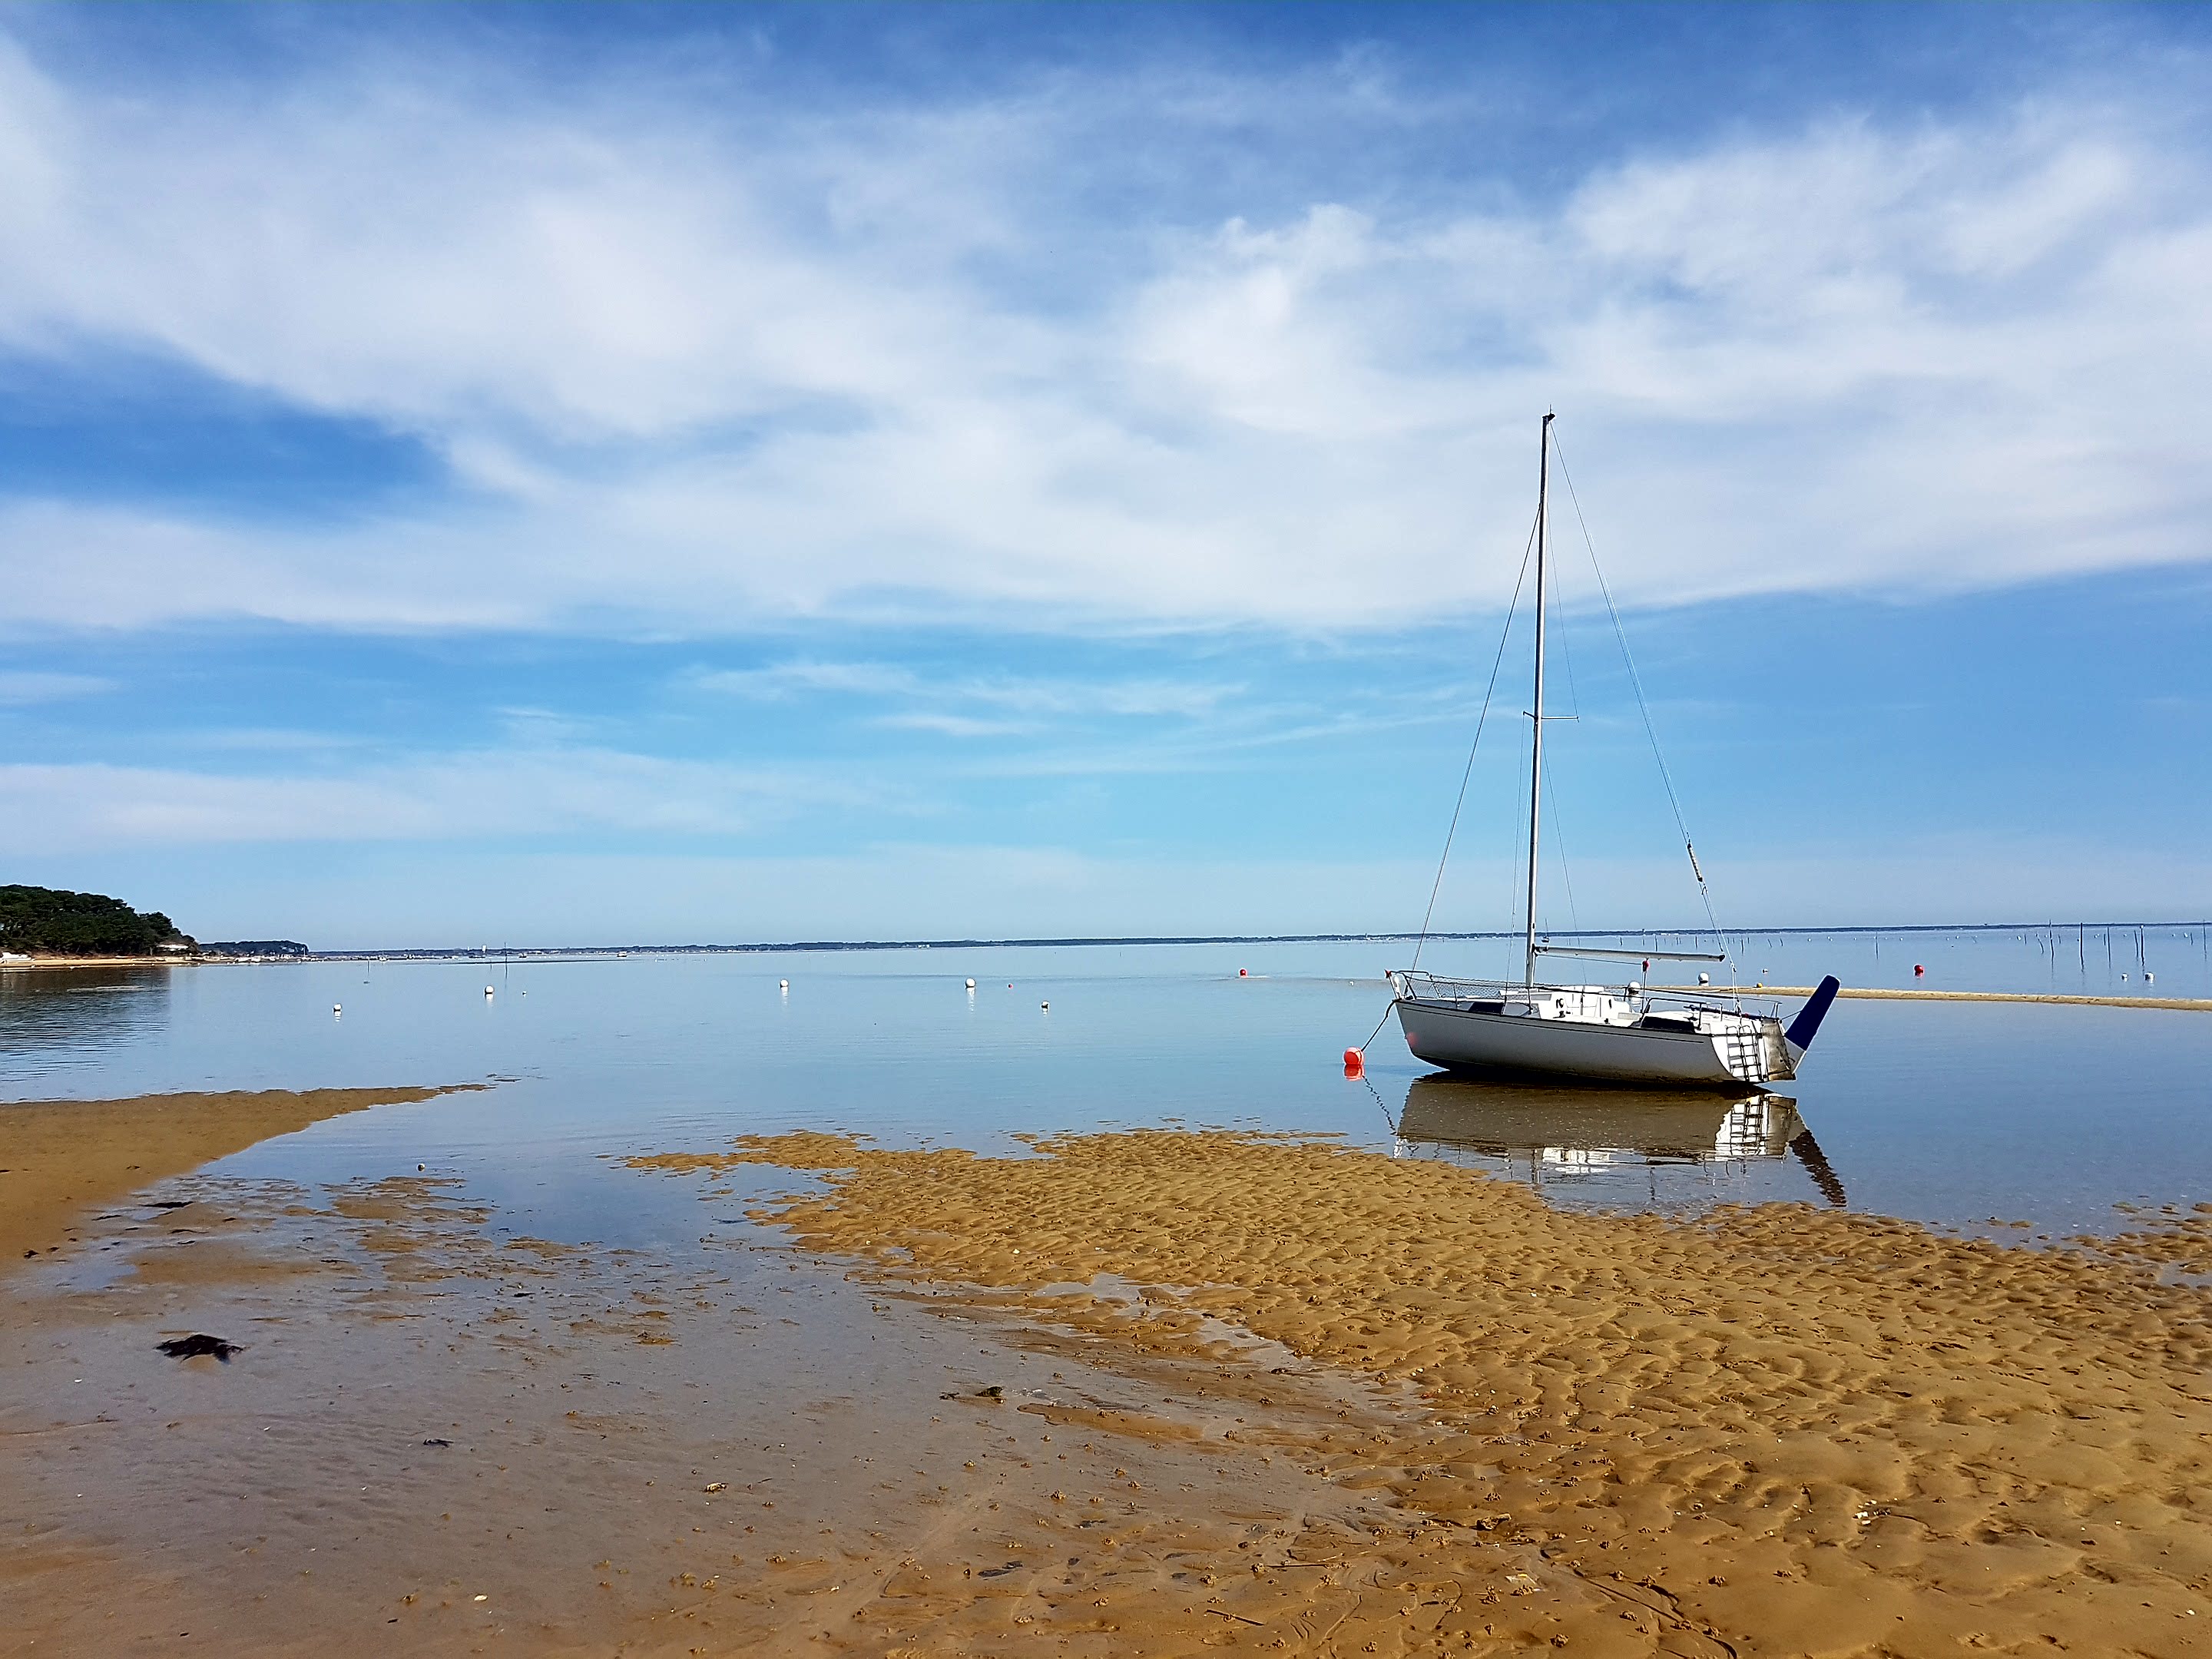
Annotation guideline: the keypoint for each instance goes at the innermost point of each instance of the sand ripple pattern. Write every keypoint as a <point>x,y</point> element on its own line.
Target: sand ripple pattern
<point>1773,1430</point>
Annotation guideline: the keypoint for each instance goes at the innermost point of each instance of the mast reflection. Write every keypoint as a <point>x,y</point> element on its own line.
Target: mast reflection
<point>1547,1133</point>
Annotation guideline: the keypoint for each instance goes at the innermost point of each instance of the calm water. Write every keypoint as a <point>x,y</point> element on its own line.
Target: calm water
<point>1954,1114</point>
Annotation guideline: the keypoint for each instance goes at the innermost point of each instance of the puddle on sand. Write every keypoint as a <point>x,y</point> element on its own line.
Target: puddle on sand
<point>1008,1432</point>
<point>436,1433</point>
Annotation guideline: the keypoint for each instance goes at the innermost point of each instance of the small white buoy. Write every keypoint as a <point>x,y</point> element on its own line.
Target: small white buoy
<point>1046,1007</point>
<point>783,985</point>
<point>971,984</point>
<point>2148,976</point>
<point>488,990</point>
<point>1705,979</point>
<point>336,1009</point>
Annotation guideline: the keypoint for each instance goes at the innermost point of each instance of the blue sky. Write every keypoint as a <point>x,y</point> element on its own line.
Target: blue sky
<point>596,475</point>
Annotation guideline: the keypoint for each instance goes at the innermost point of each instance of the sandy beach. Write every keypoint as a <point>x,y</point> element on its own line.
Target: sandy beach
<point>1105,831</point>
<point>1798,1431</point>
<point>1151,1392</point>
<point>437,1431</point>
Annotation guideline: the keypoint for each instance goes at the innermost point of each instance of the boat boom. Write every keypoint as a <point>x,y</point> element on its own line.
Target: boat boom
<point>1593,952</point>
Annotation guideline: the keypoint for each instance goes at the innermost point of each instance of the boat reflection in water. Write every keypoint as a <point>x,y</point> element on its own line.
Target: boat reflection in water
<point>1617,1140</point>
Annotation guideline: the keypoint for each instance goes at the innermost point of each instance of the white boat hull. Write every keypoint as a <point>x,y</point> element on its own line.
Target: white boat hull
<point>1476,1040</point>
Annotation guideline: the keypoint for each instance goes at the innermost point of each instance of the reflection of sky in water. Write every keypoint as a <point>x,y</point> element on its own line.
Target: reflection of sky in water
<point>52,1020</point>
<point>1952,1113</point>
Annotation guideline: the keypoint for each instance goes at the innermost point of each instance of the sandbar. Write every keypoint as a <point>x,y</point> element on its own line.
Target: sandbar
<point>1801,1431</point>
<point>61,1160</point>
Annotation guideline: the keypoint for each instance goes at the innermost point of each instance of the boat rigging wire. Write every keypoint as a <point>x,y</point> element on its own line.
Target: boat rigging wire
<point>1635,682</point>
<point>1483,719</point>
<point>1559,849</point>
<point>1467,773</point>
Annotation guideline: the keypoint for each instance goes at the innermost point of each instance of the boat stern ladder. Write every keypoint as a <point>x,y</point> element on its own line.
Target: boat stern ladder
<point>1743,1051</point>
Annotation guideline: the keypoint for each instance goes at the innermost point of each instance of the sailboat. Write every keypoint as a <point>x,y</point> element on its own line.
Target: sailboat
<point>1620,1034</point>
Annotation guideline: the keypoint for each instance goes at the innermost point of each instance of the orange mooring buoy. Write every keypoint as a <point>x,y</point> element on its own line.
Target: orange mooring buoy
<point>1354,1064</point>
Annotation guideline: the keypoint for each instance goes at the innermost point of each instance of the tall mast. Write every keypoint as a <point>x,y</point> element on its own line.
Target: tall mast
<point>1536,714</point>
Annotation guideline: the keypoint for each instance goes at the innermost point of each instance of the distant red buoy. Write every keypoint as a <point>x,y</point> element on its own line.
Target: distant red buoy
<point>1918,970</point>
<point>1647,964</point>
<point>1354,1064</point>
<point>1242,973</point>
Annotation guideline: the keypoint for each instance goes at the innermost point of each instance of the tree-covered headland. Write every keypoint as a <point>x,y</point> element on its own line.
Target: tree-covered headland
<point>46,921</point>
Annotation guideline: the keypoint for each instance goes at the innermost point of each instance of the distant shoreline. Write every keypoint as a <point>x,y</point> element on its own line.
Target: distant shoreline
<point>1907,994</point>
<point>595,952</point>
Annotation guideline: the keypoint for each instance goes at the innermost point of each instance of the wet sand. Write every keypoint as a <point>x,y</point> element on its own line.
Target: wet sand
<point>437,1436</point>
<point>1798,1431</point>
<point>1156,1393</point>
<point>62,1160</point>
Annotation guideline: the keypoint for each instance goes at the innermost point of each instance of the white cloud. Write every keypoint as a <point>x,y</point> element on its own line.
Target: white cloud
<point>953,726</point>
<point>703,364</point>
<point>779,682</point>
<point>539,790</point>
<point>21,687</point>
<point>934,704</point>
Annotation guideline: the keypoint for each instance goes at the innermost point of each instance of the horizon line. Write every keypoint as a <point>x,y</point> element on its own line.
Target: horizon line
<point>796,946</point>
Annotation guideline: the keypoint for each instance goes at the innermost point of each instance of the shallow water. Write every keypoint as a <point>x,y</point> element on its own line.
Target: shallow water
<point>492,1387</point>
<point>1956,1114</point>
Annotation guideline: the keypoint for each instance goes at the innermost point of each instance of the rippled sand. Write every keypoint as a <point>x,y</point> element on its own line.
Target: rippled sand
<point>1786,1431</point>
<point>1156,1393</point>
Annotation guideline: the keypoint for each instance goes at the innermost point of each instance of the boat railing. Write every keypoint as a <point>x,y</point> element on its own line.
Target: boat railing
<point>1418,982</point>
<point>1442,987</point>
<point>1729,997</point>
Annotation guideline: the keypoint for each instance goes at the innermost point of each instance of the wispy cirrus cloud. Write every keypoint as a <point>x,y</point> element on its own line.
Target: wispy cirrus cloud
<point>528,793</point>
<point>693,361</point>
<point>783,681</point>
<point>953,726</point>
<point>19,688</point>
<point>924,701</point>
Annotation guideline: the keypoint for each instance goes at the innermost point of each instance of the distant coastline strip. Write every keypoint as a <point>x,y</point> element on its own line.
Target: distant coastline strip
<point>1882,993</point>
<point>268,951</point>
